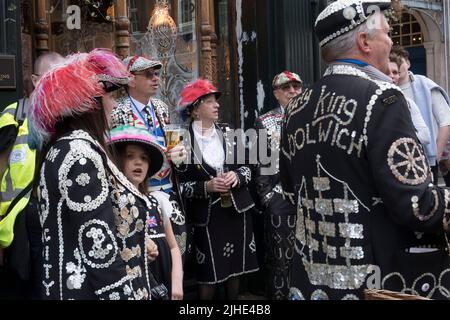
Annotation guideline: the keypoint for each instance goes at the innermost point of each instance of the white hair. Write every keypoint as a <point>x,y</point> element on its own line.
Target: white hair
<point>341,46</point>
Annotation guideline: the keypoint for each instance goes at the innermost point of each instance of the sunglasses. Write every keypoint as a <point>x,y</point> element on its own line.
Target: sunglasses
<point>287,86</point>
<point>149,74</point>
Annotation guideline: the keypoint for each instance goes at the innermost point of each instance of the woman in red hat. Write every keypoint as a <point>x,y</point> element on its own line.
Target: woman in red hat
<point>214,187</point>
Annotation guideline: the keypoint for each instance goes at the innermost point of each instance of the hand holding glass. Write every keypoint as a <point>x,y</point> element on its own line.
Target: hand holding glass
<point>225,197</point>
<point>173,135</point>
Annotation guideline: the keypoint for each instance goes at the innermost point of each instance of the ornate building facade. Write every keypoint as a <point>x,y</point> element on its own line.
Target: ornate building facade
<point>425,31</point>
<point>239,44</point>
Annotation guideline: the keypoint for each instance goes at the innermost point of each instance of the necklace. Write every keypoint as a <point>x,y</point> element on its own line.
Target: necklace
<point>200,130</point>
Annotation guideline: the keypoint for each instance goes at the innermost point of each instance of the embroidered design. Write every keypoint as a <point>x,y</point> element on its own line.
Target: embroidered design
<point>295,294</point>
<point>319,295</point>
<point>315,234</point>
<point>427,284</point>
<point>228,250</point>
<point>416,209</point>
<point>350,297</point>
<point>188,189</point>
<point>43,194</point>
<point>126,288</point>
<point>446,220</point>
<point>246,173</point>
<point>200,256</point>
<point>47,287</point>
<point>102,247</point>
<point>114,296</point>
<point>376,201</point>
<point>252,244</point>
<point>52,154</point>
<point>98,238</point>
<point>79,151</point>
<point>177,216</point>
<point>407,162</point>
<point>77,272</point>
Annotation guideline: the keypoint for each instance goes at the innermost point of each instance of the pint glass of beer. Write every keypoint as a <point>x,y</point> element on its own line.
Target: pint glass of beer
<point>173,135</point>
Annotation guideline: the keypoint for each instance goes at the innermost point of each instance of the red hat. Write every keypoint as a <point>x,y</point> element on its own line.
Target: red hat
<point>193,92</point>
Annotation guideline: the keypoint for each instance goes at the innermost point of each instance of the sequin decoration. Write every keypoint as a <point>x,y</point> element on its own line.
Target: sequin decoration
<point>295,294</point>
<point>246,173</point>
<point>319,295</point>
<point>336,276</point>
<point>52,154</point>
<point>188,188</point>
<point>407,162</point>
<point>83,179</point>
<point>200,256</point>
<point>80,151</point>
<point>103,250</point>
<point>77,272</point>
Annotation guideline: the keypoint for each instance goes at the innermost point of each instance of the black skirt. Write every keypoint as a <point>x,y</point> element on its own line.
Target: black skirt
<point>226,247</point>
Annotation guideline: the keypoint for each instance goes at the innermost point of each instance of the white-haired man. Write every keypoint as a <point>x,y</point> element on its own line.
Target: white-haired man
<point>367,213</point>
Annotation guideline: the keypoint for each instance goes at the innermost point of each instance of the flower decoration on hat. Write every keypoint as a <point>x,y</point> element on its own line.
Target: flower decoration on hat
<point>192,93</point>
<point>342,16</point>
<point>285,77</point>
<point>138,63</point>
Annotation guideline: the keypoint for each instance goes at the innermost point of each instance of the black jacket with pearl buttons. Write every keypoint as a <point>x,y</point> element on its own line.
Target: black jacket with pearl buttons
<point>194,176</point>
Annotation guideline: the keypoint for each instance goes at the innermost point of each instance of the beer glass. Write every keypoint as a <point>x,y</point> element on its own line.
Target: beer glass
<point>173,135</point>
<point>225,197</point>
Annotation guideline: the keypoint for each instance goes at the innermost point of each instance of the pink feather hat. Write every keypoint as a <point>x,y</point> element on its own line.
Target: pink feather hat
<point>70,88</point>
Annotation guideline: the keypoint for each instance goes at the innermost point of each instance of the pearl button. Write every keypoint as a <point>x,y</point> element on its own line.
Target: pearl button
<point>425,287</point>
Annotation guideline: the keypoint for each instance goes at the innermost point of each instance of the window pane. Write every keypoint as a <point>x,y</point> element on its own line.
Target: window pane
<point>396,40</point>
<point>416,27</point>
<point>406,40</point>
<point>396,30</point>
<point>406,28</point>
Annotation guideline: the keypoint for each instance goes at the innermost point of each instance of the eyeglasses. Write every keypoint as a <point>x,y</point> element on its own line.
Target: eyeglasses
<point>149,74</point>
<point>287,86</point>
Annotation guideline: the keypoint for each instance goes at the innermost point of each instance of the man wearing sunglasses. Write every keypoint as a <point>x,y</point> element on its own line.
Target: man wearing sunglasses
<point>279,214</point>
<point>140,106</point>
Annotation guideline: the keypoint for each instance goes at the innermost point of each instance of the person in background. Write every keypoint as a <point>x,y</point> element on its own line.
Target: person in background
<point>18,218</point>
<point>423,133</point>
<point>433,103</point>
<point>279,213</point>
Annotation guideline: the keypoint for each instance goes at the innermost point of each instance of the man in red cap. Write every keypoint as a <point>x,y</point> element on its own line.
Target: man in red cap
<point>279,214</point>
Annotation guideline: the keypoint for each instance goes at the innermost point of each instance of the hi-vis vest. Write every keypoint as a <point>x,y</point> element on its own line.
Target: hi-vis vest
<point>16,181</point>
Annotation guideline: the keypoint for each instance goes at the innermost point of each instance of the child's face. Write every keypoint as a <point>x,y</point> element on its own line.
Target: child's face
<point>135,164</point>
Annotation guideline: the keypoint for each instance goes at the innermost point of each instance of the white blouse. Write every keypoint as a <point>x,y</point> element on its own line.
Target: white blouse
<point>210,147</point>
